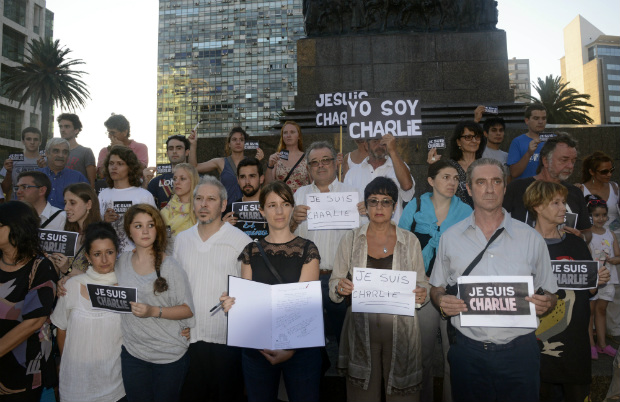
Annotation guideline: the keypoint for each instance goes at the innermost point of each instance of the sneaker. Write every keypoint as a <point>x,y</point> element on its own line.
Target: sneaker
<point>594,352</point>
<point>607,350</point>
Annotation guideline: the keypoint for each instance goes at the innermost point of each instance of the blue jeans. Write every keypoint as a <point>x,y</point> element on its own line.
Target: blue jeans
<point>302,376</point>
<point>334,312</point>
<point>507,373</point>
<point>146,382</point>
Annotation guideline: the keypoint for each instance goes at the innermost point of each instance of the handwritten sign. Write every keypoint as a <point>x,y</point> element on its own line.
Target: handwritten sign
<point>575,274</point>
<point>383,291</point>
<point>247,211</point>
<point>164,168</point>
<point>331,109</point>
<point>249,145</point>
<point>58,241</point>
<point>256,230</point>
<point>545,136</point>
<point>370,118</point>
<point>333,211</point>
<point>112,298</point>
<point>437,142</point>
<point>497,301</point>
<point>491,109</point>
<point>16,157</point>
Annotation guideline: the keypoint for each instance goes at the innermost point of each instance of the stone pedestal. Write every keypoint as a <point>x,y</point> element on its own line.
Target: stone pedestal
<point>437,68</point>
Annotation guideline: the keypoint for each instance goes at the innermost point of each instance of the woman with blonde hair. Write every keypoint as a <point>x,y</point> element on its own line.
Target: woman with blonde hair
<point>294,171</point>
<point>178,214</point>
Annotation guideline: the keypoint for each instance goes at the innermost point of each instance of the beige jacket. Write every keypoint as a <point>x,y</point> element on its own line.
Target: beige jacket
<point>354,356</point>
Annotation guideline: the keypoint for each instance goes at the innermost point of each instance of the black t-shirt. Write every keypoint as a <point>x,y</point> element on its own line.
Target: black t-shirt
<point>287,258</point>
<point>161,188</point>
<point>563,333</point>
<point>513,201</point>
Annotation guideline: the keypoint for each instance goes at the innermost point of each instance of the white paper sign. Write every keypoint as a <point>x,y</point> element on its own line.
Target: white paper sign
<point>333,211</point>
<point>497,301</point>
<point>383,291</point>
<point>287,316</point>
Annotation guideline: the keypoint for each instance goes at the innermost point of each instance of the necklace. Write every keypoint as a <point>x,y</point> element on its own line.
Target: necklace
<point>6,263</point>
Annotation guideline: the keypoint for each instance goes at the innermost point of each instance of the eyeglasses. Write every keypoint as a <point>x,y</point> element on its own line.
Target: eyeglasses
<point>322,162</point>
<point>470,137</point>
<point>24,187</point>
<point>385,203</point>
<point>605,172</point>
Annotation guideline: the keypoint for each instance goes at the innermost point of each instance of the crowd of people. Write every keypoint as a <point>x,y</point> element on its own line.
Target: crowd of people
<point>177,237</point>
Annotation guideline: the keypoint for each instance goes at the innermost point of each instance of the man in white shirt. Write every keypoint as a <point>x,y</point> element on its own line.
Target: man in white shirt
<point>209,251</point>
<point>34,187</point>
<point>383,160</point>
<point>321,161</point>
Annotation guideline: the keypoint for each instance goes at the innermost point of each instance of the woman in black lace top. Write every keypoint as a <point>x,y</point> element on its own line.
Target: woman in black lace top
<point>295,260</point>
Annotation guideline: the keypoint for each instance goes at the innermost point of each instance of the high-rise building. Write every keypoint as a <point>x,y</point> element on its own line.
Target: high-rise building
<point>22,21</point>
<point>227,63</point>
<point>519,77</point>
<point>591,65</point>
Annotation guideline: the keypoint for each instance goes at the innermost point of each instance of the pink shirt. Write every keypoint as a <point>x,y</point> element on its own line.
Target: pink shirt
<point>140,150</point>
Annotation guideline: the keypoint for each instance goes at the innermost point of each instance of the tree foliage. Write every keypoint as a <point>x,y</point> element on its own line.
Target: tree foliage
<point>47,76</point>
<point>564,105</point>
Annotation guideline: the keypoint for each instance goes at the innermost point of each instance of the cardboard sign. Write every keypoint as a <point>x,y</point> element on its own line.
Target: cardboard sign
<point>575,274</point>
<point>256,230</point>
<point>437,142</point>
<point>333,211</point>
<point>545,136</point>
<point>331,109</point>
<point>120,207</point>
<point>284,154</point>
<point>491,110</point>
<point>250,145</point>
<point>247,211</point>
<point>58,241</point>
<point>497,301</point>
<point>112,298</point>
<point>164,168</point>
<point>570,220</point>
<point>383,291</point>
<point>372,118</point>
<point>16,157</point>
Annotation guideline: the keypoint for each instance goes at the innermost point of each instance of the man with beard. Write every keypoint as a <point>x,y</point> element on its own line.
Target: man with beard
<point>177,148</point>
<point>383,160</point>
<point>81,158</point>
<point>557,161</point>
<point>208,252</point>
<point>57,153</point>
<point>525,149</point>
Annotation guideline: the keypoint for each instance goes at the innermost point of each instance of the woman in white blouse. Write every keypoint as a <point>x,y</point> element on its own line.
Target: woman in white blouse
<point>90,340</point>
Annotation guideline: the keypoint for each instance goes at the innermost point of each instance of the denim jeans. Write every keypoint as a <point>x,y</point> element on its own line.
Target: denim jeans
<point>146,382</point>
<point>302,376</point>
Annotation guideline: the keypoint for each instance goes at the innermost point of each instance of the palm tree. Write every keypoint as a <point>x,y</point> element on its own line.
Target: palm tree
<point>46,76</point>
<point>564,105</point>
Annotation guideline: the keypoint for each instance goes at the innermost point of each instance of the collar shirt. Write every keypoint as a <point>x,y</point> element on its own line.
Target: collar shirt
<point>359,177</point>
<point>59,181</point>
<point>208,265</point>
<point>326,240</point>
<point>519,250</point>
<point>58,223</point>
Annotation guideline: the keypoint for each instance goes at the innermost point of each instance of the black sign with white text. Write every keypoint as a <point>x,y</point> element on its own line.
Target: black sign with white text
<point>331,109</point>
<point>492,298</point>
<point>247,211</point>
<point>491,109</point>
<point>374,118</point>
<point>545,136</point>
<point>120,207</point>
<point>570,220</point>
<point>284,154</point>
<point>437,142</point>
<point>58,241</point>
<point>575,274</point>
<point>16,157</point>
<point>164,168</point>
<point>112,298</point>
<point>250,145</point>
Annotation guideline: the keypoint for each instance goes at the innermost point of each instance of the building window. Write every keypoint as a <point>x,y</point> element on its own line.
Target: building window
<point>15,10</point>
<point>613,87</point>
<point>511,67</point>
<point>13,44</point>
<point>614,98</point>
<point>607,50</point>
<point>613,66</point>
<point>614,119</point>
<point>36,21</point>
<point>613,77</point>
<point>10,123</point>
<point>522,66</point>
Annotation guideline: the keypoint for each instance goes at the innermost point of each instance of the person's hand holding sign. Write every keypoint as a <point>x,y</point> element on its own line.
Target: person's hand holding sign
<point>433,156</point>
<point>390,143</point>
<point>420,294</point>
<point>143,310</point>
<point>344,287</point>
<point>451,305</point>
<point>542,302</point>
<point>300,213</point>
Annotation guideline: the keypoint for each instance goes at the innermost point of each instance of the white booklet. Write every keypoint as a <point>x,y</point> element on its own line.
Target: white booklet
<point>286,316</point>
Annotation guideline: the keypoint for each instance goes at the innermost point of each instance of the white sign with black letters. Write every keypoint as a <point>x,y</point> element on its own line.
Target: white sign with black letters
<point>383,291</point>
<point>374,118</point>
<point>331,109</point>
<point>333,211</point>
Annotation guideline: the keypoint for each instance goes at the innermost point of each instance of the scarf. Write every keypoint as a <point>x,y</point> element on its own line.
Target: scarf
<point>426,223</point>
<point>177,215</point>
<point>91,276</point>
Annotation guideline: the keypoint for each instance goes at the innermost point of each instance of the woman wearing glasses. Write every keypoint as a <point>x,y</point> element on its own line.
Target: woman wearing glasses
<point>466,145</point>
<point>379,346</point>
<point>596,180</point>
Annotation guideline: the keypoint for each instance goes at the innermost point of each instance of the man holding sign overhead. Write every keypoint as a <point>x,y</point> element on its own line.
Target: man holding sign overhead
<point>492,363</point>
<point>321,160</point>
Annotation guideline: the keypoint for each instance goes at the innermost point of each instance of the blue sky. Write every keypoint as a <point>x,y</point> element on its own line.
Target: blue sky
<point>118,41</point>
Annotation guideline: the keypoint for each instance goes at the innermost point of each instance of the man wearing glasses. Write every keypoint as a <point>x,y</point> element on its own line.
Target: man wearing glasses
<point>57,153</point>
<point>321,161</point>
<point>383,160</point>
<point>34,187</point>
<point>557,161</point>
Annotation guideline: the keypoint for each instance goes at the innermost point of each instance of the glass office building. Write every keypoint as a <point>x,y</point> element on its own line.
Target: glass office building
<point>225,63</point>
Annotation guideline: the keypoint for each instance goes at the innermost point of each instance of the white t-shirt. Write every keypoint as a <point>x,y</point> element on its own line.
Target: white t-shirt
<point>120,200</point>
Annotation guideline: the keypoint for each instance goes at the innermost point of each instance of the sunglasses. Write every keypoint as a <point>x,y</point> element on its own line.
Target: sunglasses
<point>605,172</point>
<point>597,202</point>
<point>322,162</point>
<point>470,137</point>
<point>386,203</point>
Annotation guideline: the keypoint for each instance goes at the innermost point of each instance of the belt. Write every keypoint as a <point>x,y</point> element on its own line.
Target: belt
<point>493,347</point>
<point>325,272</point>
